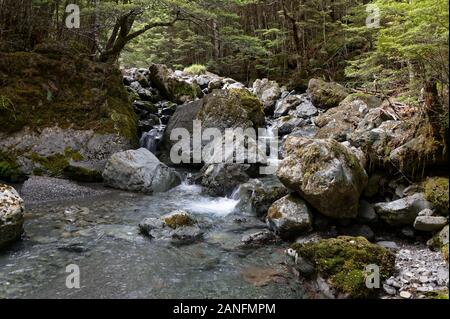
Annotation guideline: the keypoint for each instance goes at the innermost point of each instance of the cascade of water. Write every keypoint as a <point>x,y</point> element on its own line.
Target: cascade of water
<point>151,139</point>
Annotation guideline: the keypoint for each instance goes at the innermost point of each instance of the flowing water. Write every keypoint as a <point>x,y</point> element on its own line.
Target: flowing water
<point>101,236</point>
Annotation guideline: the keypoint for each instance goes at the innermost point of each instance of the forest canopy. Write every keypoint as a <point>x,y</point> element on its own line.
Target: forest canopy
<point>287,40</point>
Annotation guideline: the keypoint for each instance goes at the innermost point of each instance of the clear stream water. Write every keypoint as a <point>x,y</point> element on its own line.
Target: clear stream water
<point>101,236</point>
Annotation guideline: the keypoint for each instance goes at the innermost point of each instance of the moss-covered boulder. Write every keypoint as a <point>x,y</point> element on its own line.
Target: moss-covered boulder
<point>326,94</point>
<point>437,192</point>
<point>172,87</point>
<point>11,215</point>
<point>343,262</point>
<point>58,107</point>
<point>325,173</point>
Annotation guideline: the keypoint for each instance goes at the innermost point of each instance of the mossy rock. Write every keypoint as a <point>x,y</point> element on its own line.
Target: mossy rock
<point>179,219</point>
<point>371,100</point>
<point>9,168</point>
<point>437,192</point>
<point>326,94</point>
<point>343,262</point>
<point>48,88</point>
<point>232,108</point>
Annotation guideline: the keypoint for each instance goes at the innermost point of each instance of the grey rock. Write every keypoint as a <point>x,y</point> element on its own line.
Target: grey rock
<point>366,212</point>
<point>289,217</point>
<point>259,239</point>
<point>267,91</point>
<point>139,170</point>
<point>11,215</point>
<point>324,173</point>
<point>402,211</point>
<point>430,223</point>
<point>388,244</point>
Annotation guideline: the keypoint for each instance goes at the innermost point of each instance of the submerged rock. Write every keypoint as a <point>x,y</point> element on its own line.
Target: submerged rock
<point>259,239</point>
<point>290,217</point>
<point>11,215</point>
<point>342,263</point>
<point>325,173</point>
<point>179,227</point>
<point>402,211</point>
<point>139,170</point>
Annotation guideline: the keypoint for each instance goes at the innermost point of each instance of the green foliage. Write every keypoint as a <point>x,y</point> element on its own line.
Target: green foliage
<point>410,47</point>
<point>196,69</point>
<point>437,192</point>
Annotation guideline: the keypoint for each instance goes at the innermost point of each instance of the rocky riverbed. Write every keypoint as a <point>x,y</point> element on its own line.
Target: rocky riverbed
<point>346,195</point>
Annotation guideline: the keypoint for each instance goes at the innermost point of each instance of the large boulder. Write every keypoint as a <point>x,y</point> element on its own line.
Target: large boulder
<point>325,173</point>
<point>172,87</point>
<point>296,105</point>
<point>326,94</point>
<point>139,170</point>
<point>222,109</point>
<point>290,217</point>
<point>339,122</point>
<point>342,263</point>
<point>268,92</point>
<point>11,215</point>
<point>402,211</point>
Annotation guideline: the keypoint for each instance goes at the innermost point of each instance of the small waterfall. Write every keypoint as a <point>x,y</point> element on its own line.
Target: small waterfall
<point>151,139</point>
<point>272,157</point>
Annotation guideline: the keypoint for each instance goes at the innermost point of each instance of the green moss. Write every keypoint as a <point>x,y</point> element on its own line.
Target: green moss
<point>54,164</point>
<point>443,294</point>
<point>437,192</point>
<point>178,220</point>
<point>82,174</point>
<point>70,153</point>
<point>9,168</point>
<point>83,94</point>
<point>343,261</point>
<point>251,104</point>
<point>195,69</point>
